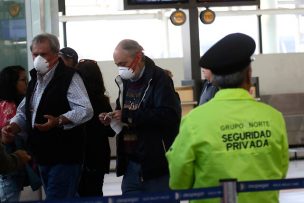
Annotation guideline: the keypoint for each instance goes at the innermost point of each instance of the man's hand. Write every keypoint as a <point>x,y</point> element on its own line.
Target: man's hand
<point>52,122</point>
<point>8,133</point>
<point>23,156</point>
<point>105,118</point>
<point>117,115</point>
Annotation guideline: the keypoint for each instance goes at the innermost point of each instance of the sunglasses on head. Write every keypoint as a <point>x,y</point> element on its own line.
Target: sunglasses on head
<point>67,55</point>
<point>87,60</point>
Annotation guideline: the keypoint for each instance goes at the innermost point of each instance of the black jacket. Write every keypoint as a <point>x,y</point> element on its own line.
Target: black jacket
<point>156,122</point>
<point>56,146</point>
<point>97,150</point>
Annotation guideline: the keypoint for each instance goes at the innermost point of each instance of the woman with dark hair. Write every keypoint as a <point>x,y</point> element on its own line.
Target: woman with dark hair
<point>97,152</point>
<point>13,85</point>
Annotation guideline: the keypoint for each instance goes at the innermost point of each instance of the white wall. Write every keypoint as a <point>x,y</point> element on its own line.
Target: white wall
<point>278,73</point>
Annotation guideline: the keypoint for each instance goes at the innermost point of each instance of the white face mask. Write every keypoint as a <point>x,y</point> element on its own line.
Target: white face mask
<point>126,73</point>
<point>41,65</point>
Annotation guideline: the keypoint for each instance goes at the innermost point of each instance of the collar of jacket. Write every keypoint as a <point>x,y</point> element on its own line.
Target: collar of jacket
<point>233,94</point>
<point>147,76</point>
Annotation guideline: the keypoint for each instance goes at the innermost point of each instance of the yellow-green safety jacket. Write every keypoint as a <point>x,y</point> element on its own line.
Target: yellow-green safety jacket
<point>231,136</point>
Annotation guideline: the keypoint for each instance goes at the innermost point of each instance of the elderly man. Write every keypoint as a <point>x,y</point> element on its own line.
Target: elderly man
<point>150,112</point>
<point>232,135</point>
<point>55,106</point>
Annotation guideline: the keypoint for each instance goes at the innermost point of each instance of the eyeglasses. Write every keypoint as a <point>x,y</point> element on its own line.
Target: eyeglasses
<point>87,60</point>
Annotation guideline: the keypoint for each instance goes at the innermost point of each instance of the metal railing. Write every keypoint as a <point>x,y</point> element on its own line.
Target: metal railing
<point>227,191</point>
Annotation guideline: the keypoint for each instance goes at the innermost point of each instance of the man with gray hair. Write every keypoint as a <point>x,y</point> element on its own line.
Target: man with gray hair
<point>149,111</point>
<point>232,136</point>
<point>55,106</point>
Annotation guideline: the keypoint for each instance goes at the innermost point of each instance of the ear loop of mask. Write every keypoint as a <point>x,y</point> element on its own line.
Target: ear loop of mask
<point>136,59</point>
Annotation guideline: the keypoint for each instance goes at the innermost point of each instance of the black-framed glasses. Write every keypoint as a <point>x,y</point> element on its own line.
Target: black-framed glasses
<point>86,60</point>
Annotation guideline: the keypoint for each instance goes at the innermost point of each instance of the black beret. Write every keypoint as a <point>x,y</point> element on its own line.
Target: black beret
<point>229,55</point>
<point>68,52</point>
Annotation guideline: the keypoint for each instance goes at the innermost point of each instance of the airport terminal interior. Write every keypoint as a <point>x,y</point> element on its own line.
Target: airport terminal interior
<point>94,27</point>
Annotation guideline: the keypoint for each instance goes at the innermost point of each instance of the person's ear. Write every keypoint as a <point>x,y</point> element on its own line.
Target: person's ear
<point>138,56</point>
<point>248,78</point>
<point>137,59</point>
<point>249,74</point>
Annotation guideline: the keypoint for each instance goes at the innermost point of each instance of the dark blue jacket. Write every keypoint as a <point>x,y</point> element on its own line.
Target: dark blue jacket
<point>156,122</point>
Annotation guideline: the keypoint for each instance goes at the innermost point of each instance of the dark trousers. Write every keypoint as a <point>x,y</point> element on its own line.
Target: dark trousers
<point>60,181</point>
<point>133,184</point>
<point>91,183</point>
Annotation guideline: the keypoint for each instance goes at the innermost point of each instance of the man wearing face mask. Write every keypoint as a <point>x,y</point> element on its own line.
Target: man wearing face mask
<point>150,112</point>
<point>55,106</point>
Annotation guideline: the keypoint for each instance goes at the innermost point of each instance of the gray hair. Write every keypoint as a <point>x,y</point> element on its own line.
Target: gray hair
<point>131,46</point>
<point>52,39</point>
<point>233,80</point>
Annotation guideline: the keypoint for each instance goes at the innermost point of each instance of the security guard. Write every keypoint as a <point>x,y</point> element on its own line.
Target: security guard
<point>233,135</point>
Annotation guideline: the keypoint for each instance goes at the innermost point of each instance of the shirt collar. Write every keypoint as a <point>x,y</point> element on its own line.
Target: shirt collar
<point>48,75</point>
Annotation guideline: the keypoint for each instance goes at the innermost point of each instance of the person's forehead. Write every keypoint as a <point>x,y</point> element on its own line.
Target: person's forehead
<point>43,46</point>
<point>22,73</point>
<point>206,70</point>
<point>121,55</point>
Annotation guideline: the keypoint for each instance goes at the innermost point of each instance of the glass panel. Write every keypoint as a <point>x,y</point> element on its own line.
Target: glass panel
<point>98,39</point>
<point>283,33</point>
<point>224,25</point>
<point>92,7</point>
<point>280,33</point>
<point>12,34</point>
